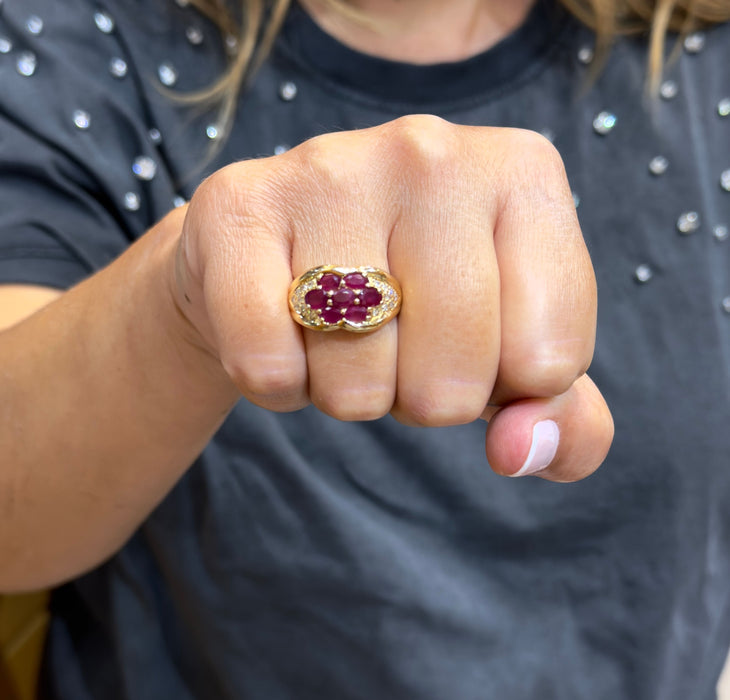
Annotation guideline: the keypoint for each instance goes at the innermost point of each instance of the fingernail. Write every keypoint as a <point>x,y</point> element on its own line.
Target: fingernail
<point>545,439</point>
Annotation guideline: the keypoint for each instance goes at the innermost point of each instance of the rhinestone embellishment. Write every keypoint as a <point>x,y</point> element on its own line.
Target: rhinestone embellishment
<point>694,43</point>
<point>81,119</point>
<point>131,201</point>
<point>288,91</point>
<point>231,42</point>
<point>6,46</point>
<point>725,180</point>
<point>669,89</point>
<point>585,55</point>
<point>720,232</point>
<point>27,63</point>
<point>726,305</point>
<point>643,274</point>
<point>104,23</point>
<point>118,67</point>
<point>688,222</point>
<point>723,107</point>
<point>144,168</point>
<point>658,165</point>
<point>34,25</point>
<point>167,74</point>
<point>194,35</point>
<point>604,123</point>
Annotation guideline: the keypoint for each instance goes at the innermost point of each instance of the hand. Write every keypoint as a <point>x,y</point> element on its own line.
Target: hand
<point>477,224</point>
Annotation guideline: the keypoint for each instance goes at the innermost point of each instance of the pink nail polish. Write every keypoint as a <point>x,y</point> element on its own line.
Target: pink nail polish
<point>545,439</point>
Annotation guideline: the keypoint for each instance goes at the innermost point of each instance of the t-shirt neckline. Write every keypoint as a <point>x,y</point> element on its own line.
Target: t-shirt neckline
<point>420,84</point>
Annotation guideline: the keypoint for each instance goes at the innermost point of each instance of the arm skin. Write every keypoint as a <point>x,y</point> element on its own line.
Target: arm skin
<point>126,407</point>
<point>110,391</point>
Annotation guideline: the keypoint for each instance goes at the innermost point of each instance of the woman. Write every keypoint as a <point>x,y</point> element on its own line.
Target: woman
<point>322,553</point>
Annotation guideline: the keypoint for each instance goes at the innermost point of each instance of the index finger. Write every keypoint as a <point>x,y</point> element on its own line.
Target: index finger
<point>548,289</point>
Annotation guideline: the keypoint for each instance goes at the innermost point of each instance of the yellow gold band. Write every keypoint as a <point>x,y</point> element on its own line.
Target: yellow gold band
<point>355,299</point>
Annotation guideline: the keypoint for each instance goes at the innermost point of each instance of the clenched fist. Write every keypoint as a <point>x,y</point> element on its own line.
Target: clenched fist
<point>499,300</point>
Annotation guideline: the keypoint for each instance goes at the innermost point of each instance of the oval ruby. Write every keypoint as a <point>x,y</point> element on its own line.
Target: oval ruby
<point>316,299</point>
<point>343,298</point>
<point>329,281</point>
<point>370,297</point>
<point>331,316</point>
<point>356,280</point>
<point>356,314</point>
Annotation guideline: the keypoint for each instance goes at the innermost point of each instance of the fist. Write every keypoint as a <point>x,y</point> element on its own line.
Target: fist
<point>479,227</point>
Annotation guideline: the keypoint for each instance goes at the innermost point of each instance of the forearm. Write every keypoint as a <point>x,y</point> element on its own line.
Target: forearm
<point>106,400</point>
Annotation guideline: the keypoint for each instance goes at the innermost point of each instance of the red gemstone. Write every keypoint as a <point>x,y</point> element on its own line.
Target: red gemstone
<point>342,298</point>
<point>316,299</point>
<point>355,280</point>
<point>329,282</point>
<point>370,297</point>
<point>356,314</point>
<point>331,316</point>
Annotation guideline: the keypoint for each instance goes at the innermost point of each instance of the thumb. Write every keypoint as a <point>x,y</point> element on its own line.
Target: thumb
<point>564,438</point>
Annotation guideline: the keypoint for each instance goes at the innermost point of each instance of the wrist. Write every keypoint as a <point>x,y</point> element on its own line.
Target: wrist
<point>198,367</point>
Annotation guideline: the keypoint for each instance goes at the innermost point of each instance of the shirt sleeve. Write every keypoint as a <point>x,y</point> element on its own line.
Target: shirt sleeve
<point>73,124</point>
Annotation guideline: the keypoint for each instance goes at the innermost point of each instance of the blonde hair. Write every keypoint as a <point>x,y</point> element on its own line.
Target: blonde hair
<point>262,20</point>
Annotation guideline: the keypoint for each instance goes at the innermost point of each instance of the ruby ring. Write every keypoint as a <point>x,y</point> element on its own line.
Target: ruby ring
<point>356,299</point>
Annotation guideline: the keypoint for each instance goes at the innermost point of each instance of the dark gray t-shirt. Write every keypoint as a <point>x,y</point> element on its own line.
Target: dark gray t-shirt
<point>302,558</point>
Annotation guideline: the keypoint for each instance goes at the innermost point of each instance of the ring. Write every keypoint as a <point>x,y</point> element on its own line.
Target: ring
<point>356,299</point>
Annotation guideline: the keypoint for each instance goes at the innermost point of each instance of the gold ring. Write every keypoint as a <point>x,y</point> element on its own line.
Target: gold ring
<point>356,299</point>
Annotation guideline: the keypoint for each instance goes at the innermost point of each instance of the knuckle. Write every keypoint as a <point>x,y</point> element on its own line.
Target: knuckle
<point>266,380</point>
<point>535,146</point>
<point>322,163</point>
<point>550,368</point>
<point>355,404</point>
<point>535,166</point>
<point>240,191</point>
<point>425,143</point>
<point>440,406</point>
